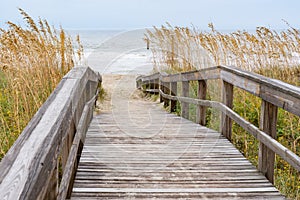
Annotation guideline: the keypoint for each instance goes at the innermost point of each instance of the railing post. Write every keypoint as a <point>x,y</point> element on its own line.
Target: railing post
<point>166,90</point>
<point>227,99</point>
<point>156,83</point>
<point>143,85</point>
<point>161,87</point>
<point>53,183</point>
<point>173,93</point>
<point>151,85</point>
<point>185,106</point>
<point>148,86</point>
<point>201,110</point>
<point>268,122</point>
<point>139,83</point>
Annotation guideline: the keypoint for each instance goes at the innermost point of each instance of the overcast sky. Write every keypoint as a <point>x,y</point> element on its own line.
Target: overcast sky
<point>130,14</point>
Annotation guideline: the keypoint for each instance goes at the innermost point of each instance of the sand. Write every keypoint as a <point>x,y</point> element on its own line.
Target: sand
<point>118,88</point>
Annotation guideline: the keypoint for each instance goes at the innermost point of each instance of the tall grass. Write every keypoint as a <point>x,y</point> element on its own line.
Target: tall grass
<point>32,62</point>
<point>268,52</point>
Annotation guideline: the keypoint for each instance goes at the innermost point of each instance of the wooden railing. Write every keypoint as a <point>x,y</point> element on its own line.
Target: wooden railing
<point>42,162</point>
<point>274,94</point>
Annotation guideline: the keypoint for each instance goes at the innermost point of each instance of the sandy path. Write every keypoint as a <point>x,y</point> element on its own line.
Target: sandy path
<point>119,91</point>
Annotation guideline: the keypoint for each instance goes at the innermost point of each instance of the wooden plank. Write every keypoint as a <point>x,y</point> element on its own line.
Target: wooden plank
<point>241,82</point>
<point>151,77</point>
<point>176,190</point>
<point>203,74</point>
<point>225,196</point>
<point>175,185</point>
<point>154,91</point>
<point>281,99</point>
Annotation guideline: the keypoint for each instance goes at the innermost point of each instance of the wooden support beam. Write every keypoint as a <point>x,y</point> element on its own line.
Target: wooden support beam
<point>185,93</point>
<point>266,157</point>
<point>161,87</point>
<point>173,93</point>
<point>166,90</point>
<point>148,84</point>
<point>156,84</point>
<point>227,99</point>
<point>201,110</point>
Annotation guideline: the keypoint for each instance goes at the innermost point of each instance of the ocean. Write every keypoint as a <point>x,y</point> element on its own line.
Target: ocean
<point>115,51</point>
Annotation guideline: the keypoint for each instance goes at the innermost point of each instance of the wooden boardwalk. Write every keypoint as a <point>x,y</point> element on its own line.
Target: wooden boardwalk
<point>134,149</point>
<point>139,151</point>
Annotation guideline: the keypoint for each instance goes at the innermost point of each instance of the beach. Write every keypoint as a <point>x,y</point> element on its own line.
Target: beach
<point>115,51</point>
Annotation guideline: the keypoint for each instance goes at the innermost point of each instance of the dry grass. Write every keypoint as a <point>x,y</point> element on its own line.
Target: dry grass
<point>32,62</point>
<point>267,52</point>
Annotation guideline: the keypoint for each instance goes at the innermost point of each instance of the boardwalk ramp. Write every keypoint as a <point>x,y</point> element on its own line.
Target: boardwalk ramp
<point>136,150</point>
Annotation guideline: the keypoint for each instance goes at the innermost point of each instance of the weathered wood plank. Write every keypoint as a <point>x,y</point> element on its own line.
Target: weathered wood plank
<point>176,190</point>
<point>241,82</point>
<point>150,77</point>
<point>225,196</point>
<point>281,99</point>
<point>203,74</point>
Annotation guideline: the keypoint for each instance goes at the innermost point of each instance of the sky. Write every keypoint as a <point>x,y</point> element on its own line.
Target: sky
<point>132,14</point>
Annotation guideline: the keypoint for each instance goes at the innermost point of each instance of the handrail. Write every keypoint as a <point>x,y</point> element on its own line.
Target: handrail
<point>45,149</point>
<point>273,93</point>
<point>66,181</point>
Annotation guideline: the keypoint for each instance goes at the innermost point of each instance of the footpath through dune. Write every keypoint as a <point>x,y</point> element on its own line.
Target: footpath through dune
<point>120,91</point>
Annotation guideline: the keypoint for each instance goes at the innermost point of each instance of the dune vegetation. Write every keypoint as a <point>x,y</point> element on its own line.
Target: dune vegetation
<point>33,60</point>
<point>264,51</point>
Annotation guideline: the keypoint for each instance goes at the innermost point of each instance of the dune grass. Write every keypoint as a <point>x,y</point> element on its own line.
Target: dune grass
<point>266,52</point>
<point>33,59</point>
